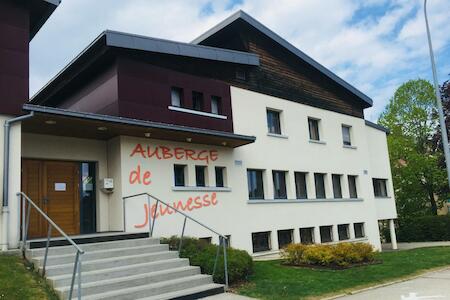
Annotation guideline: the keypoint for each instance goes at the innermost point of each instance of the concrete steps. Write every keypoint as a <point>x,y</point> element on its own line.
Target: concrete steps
<point>139,268</point>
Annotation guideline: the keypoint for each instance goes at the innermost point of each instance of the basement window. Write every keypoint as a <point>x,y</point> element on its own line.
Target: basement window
<point>343,232</point>
<point>326,234</point>
<point>261,241</point>
<point>307,235</point>
<point>359,230</point>
<point>284,238</point>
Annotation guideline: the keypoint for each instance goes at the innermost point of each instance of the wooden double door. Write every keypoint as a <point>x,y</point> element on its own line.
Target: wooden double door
<point>55,187</point>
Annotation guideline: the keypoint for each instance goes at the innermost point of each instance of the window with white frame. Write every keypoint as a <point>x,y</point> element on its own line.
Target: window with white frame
<point>326,234</point>
<point>359,230</point>
<point>216,105</point>
<point>176,95</point>
<point>273,121</point>
<point>352,186</point>
<point>380,187</point>
<point>343,232</point>
<point>313,126</point>
<point>307,235</point>
<point>300,185</point>
<point>337,187</point>
<point>319,181</point>
<point>279,184</point>
<point>346,135</point>
<point>261,241</point>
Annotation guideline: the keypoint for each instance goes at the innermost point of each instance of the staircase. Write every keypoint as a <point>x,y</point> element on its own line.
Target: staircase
<point>117,268</point>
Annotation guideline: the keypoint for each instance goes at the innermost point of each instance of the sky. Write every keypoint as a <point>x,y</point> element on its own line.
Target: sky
<point>375,45</point>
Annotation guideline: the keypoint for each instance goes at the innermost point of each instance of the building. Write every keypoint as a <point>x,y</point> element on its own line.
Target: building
<point>239,129</point>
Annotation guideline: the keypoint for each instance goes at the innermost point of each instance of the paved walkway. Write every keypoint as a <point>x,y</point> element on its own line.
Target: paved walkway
<point>407,246</point>
<point>430,286</point>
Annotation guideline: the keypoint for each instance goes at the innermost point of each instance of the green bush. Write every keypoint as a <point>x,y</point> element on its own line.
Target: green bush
<point>203,254</point>
<point>341,255</point>
<point>422,229</point>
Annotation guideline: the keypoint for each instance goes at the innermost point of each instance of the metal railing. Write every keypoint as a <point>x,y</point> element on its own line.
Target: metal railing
<point>151,226</point>
<point>26,211</point>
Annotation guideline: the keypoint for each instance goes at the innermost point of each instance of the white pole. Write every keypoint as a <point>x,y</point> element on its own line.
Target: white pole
<point>393,235</point>
<point>438,97</point>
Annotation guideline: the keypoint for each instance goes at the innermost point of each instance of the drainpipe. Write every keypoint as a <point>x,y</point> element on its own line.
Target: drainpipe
<point>5,208</point>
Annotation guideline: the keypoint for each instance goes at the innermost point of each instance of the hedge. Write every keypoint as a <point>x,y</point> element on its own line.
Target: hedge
<point>422,229</point>
<point>338,255</point>
<point>203,254</point>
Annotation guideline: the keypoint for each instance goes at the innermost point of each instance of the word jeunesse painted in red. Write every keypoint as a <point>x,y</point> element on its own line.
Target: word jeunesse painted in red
<point>179,153</point>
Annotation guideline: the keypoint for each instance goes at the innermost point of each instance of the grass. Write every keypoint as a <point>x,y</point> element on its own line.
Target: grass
<point>17,282</point>
<point>271,280</point>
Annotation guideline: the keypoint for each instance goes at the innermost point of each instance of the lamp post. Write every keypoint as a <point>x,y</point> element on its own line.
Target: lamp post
<point>438,97</point>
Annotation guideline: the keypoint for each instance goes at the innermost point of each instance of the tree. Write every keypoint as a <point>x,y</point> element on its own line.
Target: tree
<point>419,180</point>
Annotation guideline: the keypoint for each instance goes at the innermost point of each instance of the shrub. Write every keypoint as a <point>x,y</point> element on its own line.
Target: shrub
<point>421,229</point>
<point>201,253</point>
<point>341,255</point>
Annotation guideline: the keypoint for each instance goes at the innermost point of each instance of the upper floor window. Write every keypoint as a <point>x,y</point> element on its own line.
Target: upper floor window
<point>352,186</point>
<point>215,105</point>
<point>197,101</point>
<point>300,185</point>
<point>313,125</point>
<point>179,175</point>
<point>200,175</point>
<point>319,180</point>
<point>255,184</point>
<point>337,188</point>
<point>379,187</point>
<point>346,138</point>
<point>279,184</point>
<point>273,121</point>
<point>176,95</point>
<point>220,174</point>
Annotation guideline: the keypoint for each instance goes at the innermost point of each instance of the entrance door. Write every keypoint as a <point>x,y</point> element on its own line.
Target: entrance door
<point>54,187</point>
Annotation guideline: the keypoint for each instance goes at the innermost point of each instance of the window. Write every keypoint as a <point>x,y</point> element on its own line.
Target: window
<point>279,184</point>
<point>319,180</point>
<point>240,74</point>
<point>284,238</point>
<point>207,240</point>
<point>176,95</point>
<point>200,175</point>
<point>179,175</point>
<point>261,241</point>
<point>352,186</point>
<point>326,234</point>
<point>300,185</point>
<point>273,122</point>
<point>307,235</point>
<point>313,129</point>
<point>216,105</point>
<point>337,189</point>
<point>343,232</point>
<point>88,197</point>
<point>255,184</point>
<point>197,100</point>
<point>220,176</point>
<point>346,135</point>
<point>359,230</point>
<point>379,187</point>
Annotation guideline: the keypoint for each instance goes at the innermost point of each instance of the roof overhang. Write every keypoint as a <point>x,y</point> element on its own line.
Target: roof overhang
<point>240,15</point>
<point>377,126</point>
<point>40,11</point>
<point>103,127</point>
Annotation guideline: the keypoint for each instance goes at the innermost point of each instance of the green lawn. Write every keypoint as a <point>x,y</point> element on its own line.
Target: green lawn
<point>16,282</point>
<point>271,280</point>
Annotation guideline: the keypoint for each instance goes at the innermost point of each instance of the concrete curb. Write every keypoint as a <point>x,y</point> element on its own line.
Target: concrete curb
<point>386,283</point>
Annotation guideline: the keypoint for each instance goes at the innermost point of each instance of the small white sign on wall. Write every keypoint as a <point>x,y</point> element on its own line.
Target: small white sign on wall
<point>60,186</point>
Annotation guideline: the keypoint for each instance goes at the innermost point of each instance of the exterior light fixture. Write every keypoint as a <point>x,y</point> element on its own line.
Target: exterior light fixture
<point>147,134</point>
<point>102,128</point>
<point>50,122</point>
<point>188,140</point>
<point>224,143</point>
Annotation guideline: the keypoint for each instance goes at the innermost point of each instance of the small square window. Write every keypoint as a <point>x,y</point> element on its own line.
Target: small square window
<point>220,174</point>
<point>255,184</point>
<point>279,184</point>
<point>326,234</point>
<point>359,230</point>
<point>176,95</point>
<point>346,138</point>
<point>200,175</point>
<point>207,240</point>
<point>352,186</point>
<point>273,121</point>
<point>179,175</point>
<point>284,238</point>
<point>313,125</point>
<point>216,105</point>
<point>319,180</point>
<point>337,189</point>
<point>379,187</point>
<point>307,235</point>
<point>261,241</point>
<point>300,185</point>
<point>343,232</point>
<point>197,101</point>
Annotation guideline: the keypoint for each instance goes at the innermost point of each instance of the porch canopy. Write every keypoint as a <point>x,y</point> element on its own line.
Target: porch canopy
<point>63,122</point>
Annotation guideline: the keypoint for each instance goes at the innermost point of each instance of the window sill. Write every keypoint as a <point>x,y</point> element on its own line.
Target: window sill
<point>281,136</point>
<point>196,112</point>
<point>317,142</point>
<point>272,201</point>
<point>200,189</point>
<point>349,147</point>
<point>381,197</point>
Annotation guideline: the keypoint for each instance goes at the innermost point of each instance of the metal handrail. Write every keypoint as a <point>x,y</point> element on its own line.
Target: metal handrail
<point>23,198</point>
<point>222,238</point>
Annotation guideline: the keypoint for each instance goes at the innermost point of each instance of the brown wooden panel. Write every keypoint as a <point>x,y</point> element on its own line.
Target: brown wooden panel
<point>32,186</point>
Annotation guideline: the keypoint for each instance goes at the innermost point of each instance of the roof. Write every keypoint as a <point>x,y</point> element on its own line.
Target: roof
<point>40,11</point>
<point>85,125</point>
<point>241,15</point>
<point>377,126</point>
